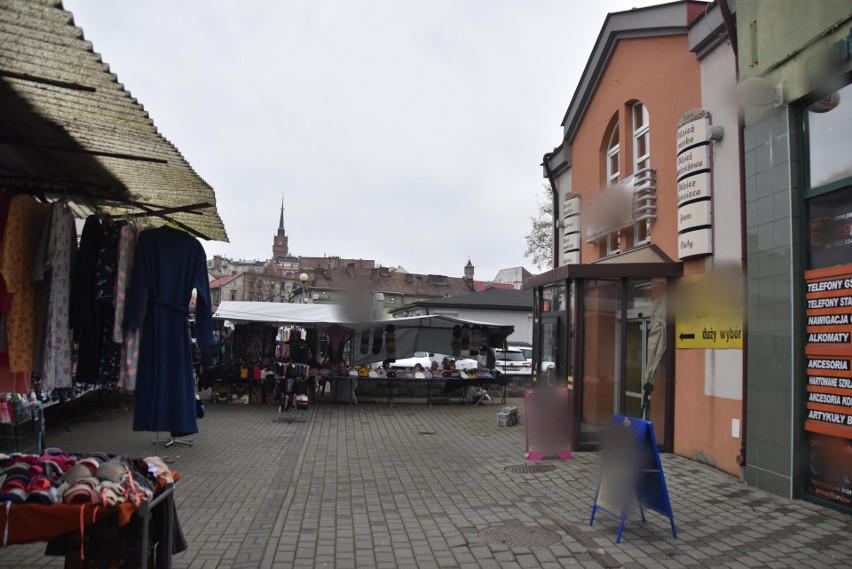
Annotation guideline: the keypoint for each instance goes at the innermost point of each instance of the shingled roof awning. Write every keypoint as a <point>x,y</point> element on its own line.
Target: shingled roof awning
<point>69,129</point>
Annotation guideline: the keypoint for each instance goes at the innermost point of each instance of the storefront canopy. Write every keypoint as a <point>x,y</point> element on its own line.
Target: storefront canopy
<point>69,130</point>
<point>420,333</point>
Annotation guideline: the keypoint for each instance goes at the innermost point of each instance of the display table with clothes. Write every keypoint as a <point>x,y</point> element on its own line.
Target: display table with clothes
<point>94,509</point>
<point>231,381</point>
<point>243,390</point>
<point>343,387</point>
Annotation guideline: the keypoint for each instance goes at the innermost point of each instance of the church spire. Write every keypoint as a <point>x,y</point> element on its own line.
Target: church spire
<point>280,247</point>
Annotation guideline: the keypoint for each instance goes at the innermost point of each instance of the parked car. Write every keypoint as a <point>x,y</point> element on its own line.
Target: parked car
<point>426,358</point>
<point>421,358</point>
<point>461,363</point>
<point>511,361</point>
<point>528,354</point>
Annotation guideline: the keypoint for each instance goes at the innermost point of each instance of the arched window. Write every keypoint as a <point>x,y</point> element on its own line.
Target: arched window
<point>613,151</point>
<point>641,164</point>
<point>613,173</point>
<point>641,138</point>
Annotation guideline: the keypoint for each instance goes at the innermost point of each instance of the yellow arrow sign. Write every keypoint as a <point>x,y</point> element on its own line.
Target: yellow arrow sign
<point>709,313</point>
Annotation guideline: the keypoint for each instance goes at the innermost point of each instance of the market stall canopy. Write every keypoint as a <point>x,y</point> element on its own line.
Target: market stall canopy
<point>419,333</point>
<point>280,313</point>
<point>69,130</point>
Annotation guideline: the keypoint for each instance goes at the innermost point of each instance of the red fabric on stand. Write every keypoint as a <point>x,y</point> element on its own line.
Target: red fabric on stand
<point>31,523</point>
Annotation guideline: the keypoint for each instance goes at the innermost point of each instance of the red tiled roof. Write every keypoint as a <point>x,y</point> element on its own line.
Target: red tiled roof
<point>383,279</point>
<point>222,281</point>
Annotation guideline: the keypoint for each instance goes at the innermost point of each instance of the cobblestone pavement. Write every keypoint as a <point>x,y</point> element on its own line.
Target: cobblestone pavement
<point>425,487</point>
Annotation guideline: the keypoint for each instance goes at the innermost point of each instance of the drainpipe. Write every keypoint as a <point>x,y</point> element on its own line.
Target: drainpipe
<point>731,30</point>
<point>555,192</point>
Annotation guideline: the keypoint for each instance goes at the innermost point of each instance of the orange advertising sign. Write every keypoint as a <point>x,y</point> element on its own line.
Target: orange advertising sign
<point>829,351</point>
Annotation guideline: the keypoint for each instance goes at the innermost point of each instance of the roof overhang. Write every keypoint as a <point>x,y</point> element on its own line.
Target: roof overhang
<point>651,21</point>
<point>69,130</point>
<point>645,262</point>
<point>707,31</point>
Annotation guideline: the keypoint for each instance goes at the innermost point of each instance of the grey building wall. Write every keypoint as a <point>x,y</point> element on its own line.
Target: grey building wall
<point>775,279</point>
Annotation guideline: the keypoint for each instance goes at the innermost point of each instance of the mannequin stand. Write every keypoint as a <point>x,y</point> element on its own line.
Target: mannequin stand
<point>156,444</point>
<point>174,441</point>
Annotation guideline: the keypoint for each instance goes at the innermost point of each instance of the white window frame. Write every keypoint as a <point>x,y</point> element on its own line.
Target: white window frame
<point>644,131</point>
<point>613,150</point>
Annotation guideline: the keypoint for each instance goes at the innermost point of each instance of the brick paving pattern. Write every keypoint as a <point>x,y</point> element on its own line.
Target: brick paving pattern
<point>412,486</point>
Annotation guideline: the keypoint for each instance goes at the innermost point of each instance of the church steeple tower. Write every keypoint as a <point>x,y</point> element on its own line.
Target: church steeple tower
<point>279,243</point>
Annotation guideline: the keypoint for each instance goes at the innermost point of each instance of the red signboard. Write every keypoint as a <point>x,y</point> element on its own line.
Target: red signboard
<point>829,351</point>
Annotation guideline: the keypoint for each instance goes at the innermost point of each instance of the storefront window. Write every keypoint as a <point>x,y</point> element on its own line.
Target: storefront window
<point>600,357</point>
<point>828,136</point>
<point>624,347</point>
<point>554,299</point>
<point>828,451</point>
<point>830,229</point>
<point>552,355</point>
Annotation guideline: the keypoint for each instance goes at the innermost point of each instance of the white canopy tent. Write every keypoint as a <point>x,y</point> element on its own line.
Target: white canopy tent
<point>421,333</point>
<point>280,313</point>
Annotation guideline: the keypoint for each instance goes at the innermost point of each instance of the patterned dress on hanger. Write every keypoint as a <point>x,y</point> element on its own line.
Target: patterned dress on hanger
<point>109,351</point>
<point>129,339</point>
<point>61,241</point>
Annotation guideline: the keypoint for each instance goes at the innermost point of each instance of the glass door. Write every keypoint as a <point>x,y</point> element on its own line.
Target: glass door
<point>552,354</point>
<point>601,358</point>
<point>644,354</point>
<point>636,360</point>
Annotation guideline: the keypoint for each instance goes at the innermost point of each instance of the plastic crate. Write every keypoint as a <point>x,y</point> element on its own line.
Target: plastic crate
<point>26,431</point>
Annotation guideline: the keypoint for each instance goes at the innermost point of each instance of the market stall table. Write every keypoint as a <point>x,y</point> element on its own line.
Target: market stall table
<point>452,384</point>
<point>32,523</point>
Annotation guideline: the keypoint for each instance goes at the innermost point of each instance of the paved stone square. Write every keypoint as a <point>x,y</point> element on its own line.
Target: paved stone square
<point>412,486</point>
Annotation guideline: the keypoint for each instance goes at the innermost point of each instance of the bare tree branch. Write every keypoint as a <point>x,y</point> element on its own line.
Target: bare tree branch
<point>540,237</point>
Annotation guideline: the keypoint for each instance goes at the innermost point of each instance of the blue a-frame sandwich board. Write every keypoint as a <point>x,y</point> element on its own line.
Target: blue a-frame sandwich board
<point>631,468</point>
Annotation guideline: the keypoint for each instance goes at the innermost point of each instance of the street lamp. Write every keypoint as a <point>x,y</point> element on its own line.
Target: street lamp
<point>304,279</point>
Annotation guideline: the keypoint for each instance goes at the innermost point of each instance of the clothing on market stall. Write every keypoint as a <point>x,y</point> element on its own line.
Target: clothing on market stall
<point>59,244</point>
<point>24,224</point>
<point>109,352</point>
<point>128,338</point>
<point>252,342</point>
<point>83,301</point>
<point>58,298</point>
<point>168,265</point>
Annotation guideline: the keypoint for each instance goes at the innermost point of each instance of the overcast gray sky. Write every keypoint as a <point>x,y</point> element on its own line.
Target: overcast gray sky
<point>409,132</point>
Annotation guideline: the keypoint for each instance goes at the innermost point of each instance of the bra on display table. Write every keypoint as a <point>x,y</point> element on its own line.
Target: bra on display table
<point>76,503</point>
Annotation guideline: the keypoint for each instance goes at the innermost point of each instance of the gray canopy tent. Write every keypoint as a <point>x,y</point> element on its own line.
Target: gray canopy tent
<point>420,333</point>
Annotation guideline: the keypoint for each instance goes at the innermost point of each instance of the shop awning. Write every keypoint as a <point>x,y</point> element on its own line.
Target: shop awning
<point>69,130</point>
<point>644,262</point>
